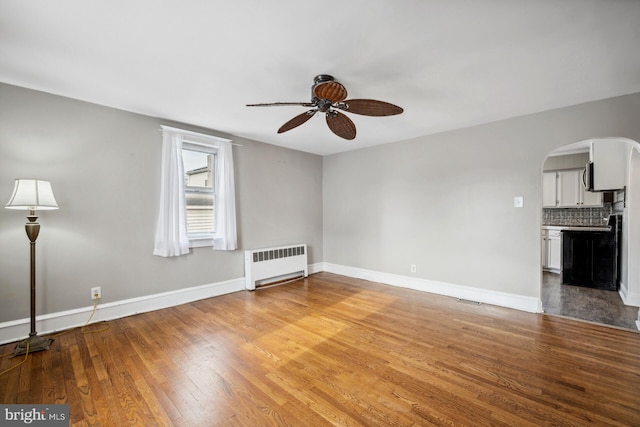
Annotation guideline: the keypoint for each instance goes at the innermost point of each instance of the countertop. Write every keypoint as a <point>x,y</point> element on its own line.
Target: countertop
<point>576,228</point>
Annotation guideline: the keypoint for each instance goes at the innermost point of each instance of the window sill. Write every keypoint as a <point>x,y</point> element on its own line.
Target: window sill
<point>200,242</point>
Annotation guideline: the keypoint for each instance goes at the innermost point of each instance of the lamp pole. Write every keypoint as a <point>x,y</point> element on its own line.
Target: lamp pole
<point>34,343</point>
<point>33,229</point>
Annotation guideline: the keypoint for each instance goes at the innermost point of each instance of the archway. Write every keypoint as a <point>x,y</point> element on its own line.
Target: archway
<point>582,302</point>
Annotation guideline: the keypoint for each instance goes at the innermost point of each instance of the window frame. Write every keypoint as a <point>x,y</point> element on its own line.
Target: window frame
<point>195,141</point>
<point>197,240</point>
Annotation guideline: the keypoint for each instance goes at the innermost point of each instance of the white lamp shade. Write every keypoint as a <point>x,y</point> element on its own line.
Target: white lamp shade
<point>32,194</point>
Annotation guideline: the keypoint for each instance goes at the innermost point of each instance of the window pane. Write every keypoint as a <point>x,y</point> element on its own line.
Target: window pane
<point>198,168</point>
<point>198,180</point>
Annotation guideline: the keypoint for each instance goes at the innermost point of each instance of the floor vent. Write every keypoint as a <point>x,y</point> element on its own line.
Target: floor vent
<point>468,301</point>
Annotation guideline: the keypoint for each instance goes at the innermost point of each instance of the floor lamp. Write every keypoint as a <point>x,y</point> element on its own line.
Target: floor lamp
<point>32,194</point>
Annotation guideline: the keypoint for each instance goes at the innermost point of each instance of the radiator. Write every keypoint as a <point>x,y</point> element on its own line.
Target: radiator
<point>264,266</point>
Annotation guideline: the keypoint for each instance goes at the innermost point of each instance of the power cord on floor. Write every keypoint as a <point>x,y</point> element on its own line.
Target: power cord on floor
<point>82,329</point>
<point>93,312</point>
<point>26,355</point>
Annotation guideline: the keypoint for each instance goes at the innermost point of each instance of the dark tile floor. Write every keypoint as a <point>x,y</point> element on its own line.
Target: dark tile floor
<point>593,305</point>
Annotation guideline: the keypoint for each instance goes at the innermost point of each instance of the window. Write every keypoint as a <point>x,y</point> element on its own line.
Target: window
<point>199,163</point>
<point>197,194</point>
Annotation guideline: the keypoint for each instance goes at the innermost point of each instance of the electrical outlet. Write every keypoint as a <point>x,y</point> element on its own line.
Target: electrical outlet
<point>96,293</point>
<point>413,268</point>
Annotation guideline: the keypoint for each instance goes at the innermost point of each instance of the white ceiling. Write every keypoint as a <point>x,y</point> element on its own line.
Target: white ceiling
<point>449,64</point>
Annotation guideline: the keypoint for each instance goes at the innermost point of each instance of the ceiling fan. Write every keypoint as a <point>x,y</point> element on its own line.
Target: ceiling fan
<point>328,96</point>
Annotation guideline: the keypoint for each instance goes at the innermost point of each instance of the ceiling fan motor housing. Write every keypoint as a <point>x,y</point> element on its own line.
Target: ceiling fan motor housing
<point>321,78</point>
<point>324,105</point>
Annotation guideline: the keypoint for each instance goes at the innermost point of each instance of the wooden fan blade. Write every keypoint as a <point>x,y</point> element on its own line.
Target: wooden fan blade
<point>341,125</point>
<point>297,121</point>
<point>369,107</point>
<point>332,91</point>
<point>278,104</point>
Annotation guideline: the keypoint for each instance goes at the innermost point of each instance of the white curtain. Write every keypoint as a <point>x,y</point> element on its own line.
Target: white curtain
<point>171,230</point>
<point>225,238</point>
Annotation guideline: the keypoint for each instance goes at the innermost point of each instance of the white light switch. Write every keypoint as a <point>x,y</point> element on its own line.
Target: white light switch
<point>518,202</point>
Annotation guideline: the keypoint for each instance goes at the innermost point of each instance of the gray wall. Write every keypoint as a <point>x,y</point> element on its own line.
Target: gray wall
<point>445,202</point>
<point>104,167</point>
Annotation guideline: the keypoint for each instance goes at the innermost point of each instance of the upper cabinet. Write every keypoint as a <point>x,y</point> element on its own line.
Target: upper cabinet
<point>549,190</point>
<point>609,158</point>
<point>568,188</point>
<point>565,189</point>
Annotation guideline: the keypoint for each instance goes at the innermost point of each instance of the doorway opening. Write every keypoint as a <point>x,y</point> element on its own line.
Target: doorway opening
<point>574,210</point>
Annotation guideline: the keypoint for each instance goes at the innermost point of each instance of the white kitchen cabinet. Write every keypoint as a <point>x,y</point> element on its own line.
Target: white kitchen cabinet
<point>551,250</point>
<point>543,245</point>
<point>549,196</point>
<point>568,188</point>
<point>554,250</point>
<point>565,189</point>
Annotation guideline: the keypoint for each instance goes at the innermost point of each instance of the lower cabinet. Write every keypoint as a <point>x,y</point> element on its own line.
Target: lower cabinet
<point>590,259</point>
<point>555,250</point>
<point>551,250</point>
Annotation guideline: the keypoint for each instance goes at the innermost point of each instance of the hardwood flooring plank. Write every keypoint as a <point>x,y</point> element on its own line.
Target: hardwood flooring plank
<point>11,382</point>
<point>332,350</point>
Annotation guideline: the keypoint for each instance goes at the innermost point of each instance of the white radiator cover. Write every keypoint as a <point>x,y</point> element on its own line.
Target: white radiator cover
<point>272,263</point>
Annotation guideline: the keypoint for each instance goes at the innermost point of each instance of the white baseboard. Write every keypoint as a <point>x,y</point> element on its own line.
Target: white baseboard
<point>518,302</point>
<point>316,268</point>
<point>627,298</point>
<point>19,329</point>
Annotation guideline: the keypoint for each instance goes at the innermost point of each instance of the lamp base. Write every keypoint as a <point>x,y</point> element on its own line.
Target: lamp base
<point>35,344</point>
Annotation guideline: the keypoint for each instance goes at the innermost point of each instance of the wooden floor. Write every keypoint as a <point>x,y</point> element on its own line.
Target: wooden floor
<point>331,350</point>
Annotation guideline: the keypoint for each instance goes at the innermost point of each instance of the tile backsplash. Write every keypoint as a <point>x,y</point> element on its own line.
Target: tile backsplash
<point>576,216</point>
